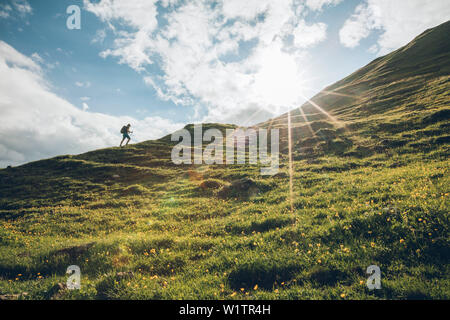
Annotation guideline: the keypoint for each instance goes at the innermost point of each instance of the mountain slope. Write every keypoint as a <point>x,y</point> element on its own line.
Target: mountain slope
<point>406,91</point>
<point>370,187</point>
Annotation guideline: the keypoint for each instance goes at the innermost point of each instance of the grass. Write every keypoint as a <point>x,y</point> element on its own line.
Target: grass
<point>182,242</point>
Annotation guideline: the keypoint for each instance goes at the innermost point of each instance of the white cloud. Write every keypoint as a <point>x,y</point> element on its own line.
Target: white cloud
<point>358,26</point>
<point>15,8</point>
<point>319,4</point>
<point>80,84</point>
<point>136,13</point>
<point>99,37</point>
<point>85,98</point>
<point>309,35</point>
<point>245,9</point>
<point>4,14</point>
<point>37,58</point>
<point>198,51</point>
<point>8,53</point>
<point>85,106</point>
<point>398,21</point>
<point>373,49</point>
<point>37,124</point>
<point>22,6</point>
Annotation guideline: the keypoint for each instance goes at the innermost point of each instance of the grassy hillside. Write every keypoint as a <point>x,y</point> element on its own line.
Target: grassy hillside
<point>371,187</point>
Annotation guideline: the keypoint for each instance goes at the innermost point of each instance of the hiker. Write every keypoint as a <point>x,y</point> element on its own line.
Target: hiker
<point>125,131</point>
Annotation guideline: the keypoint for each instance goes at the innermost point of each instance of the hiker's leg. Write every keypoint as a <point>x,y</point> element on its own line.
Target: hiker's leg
<point>122,141</point>
<point>128,141</point>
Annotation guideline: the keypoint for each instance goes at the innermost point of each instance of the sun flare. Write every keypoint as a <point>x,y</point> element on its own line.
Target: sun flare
<point>279,81</point>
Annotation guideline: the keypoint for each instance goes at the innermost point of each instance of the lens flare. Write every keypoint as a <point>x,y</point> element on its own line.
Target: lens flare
<point>315,105</point>
<point>291,167</point>
<point>307,121</point>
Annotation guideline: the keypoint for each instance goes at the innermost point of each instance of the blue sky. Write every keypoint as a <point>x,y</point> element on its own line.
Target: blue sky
<point>161,64</point>
<point>119,90</point>
<point>114,88</point>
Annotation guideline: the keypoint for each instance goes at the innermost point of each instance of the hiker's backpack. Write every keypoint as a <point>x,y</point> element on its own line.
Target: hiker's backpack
<point>123,130</point>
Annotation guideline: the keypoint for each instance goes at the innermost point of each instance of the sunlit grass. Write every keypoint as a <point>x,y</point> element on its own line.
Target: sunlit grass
<point>182,242</point>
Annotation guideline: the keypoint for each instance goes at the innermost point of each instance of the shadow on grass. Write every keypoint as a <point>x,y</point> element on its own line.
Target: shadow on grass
<point>260,226</point>
<point>264,273</point>
<point>86,256</point>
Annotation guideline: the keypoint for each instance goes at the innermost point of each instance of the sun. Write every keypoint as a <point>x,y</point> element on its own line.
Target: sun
<point>280,81</point>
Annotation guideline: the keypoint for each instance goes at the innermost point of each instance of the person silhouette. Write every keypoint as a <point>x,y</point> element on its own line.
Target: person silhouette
<point>125,132</point>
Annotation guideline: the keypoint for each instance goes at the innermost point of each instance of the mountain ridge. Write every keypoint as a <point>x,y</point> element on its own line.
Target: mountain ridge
<point>438,49</point>
<point>342,90</point>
